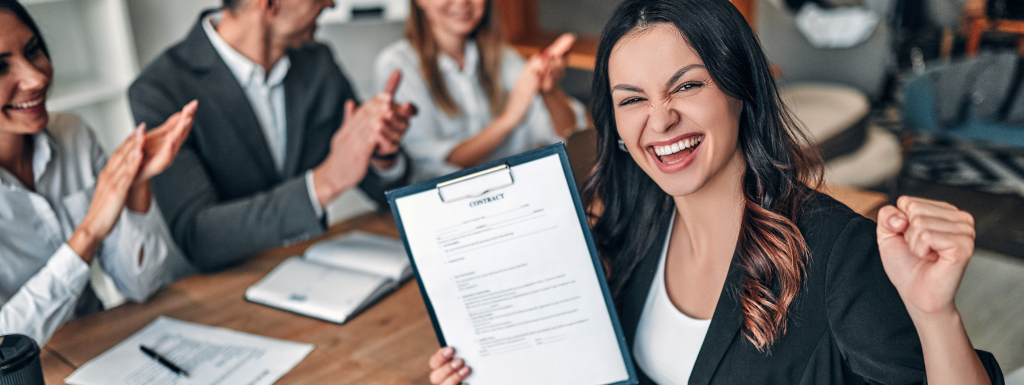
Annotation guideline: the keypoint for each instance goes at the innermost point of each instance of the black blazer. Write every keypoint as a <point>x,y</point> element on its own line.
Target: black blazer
<point>847,325</point>
<point>223,198</point>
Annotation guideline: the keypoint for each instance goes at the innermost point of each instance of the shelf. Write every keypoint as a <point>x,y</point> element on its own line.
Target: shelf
<point>35,2</point>
<point>364,11</point>
<point>69,96</point>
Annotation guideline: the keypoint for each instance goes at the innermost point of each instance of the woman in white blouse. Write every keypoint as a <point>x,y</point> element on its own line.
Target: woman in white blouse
<point>63,203</point>
<point>459,71</point>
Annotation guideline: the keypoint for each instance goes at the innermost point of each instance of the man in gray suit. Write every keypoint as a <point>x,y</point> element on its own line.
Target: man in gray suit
<point>276,137</point>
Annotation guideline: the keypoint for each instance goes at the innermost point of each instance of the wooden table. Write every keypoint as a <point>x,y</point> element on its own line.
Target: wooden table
<point>387,344</point>
<point>55,369</point>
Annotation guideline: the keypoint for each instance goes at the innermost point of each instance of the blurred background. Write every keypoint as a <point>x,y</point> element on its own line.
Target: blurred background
<point>917,97</point>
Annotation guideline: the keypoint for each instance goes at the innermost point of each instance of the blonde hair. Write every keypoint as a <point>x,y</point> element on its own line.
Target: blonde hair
<point>489,43</point>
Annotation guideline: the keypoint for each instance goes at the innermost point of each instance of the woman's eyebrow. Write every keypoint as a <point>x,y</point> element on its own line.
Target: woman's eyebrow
<point>680,73</point>
<point>5,55</point>
<point>627,87</point>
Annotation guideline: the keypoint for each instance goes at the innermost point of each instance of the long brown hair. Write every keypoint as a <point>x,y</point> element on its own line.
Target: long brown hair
<point>489,43</point>
<point>14,7</point>
<point>635,211</point>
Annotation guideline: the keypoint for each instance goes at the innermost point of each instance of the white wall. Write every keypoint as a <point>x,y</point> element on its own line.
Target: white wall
<point>355,47</point>
<point>157,24</point>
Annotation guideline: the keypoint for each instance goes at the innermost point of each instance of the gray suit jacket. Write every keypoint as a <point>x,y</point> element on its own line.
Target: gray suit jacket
<point>222,197</point>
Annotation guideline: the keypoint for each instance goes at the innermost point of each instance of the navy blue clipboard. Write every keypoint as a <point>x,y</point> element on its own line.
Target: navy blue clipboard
<point>510,162</point>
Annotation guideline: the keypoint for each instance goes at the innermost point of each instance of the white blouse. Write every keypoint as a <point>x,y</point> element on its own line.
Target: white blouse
<point>667,341</point>
<point>41,277</point>
<point>433,134</point>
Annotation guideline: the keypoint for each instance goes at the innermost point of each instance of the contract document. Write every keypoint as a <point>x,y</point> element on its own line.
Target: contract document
<point>509,273</point>
<point>210,355</point>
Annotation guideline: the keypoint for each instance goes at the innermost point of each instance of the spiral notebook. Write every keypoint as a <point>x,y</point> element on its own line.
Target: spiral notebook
<point>335,279</point>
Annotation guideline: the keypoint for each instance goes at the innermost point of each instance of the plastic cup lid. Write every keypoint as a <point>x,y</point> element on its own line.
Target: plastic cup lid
<point>16,351</point>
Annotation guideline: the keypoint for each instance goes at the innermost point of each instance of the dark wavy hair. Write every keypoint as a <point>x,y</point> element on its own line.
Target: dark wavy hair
<point>630,212</point>
<point>14,7</point>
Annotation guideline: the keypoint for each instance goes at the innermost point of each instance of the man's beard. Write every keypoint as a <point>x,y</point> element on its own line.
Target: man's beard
<point>304,38</point>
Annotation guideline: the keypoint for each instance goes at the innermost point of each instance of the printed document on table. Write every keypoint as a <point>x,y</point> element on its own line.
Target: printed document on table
<point>512,283</point>
<point>211,355</point>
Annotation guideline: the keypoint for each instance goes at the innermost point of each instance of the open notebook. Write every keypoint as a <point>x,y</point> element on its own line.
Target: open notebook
<point>335,279</point>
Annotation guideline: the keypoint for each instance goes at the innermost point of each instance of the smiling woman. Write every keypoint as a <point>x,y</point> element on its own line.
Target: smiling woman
<point>726,265</point>
<point>64,203</point>
<point>714,165</point>
<point>478,99</point>
<point>24,111</point>
<point>670,97</point>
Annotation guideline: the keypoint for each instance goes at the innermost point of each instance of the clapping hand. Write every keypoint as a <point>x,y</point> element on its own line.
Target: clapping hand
<point>541,74</point>
<point>162,144</point>
<point>383,121</point>
<point>109,195</point>
<point>553,68</point>
<point>125,178</point>
<point>395,116</point>
<point>377,126</point>
<point>925,246</point>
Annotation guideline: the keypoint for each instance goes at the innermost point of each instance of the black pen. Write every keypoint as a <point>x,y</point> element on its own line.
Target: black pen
<point>163,360</point>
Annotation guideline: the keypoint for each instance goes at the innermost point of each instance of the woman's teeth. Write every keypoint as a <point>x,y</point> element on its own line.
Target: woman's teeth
<point>26,105</point>
<point>678,146</point>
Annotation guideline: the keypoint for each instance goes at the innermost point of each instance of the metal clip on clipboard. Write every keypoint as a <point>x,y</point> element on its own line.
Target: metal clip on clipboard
<point>475,184</point>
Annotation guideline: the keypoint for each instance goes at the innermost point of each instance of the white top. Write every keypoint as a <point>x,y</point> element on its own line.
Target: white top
<point>266,96</point>
<point>432,134</point>
<point>667,341</point>
<point>41,277</point>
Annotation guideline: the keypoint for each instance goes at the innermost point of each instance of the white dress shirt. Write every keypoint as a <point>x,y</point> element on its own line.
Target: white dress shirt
<point>433,134</point>
<point>667,340</point>
<point>266,96</point>
<point>265,92</point>
<point>41,277</point>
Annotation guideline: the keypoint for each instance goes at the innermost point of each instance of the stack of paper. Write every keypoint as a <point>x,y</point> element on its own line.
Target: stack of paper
<point>210,355</point>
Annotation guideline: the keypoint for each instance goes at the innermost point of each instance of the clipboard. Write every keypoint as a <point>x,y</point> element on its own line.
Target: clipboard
<point>485,183</point>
